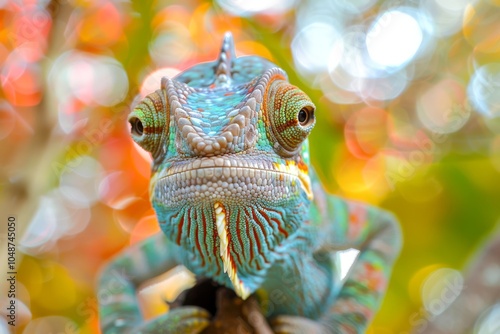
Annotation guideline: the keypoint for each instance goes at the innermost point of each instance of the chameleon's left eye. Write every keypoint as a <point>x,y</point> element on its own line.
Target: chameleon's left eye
<point>136,126</point>
<point>148,123</point>
<point>290,116</point>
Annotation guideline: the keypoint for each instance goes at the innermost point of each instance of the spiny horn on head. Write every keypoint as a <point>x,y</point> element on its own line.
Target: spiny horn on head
<point>224,63</point>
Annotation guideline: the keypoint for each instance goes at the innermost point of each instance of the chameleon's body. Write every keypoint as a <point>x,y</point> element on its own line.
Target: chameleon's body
<point>238,203</point>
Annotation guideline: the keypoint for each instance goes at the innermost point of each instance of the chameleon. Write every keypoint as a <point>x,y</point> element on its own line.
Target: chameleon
<point>238,202</point>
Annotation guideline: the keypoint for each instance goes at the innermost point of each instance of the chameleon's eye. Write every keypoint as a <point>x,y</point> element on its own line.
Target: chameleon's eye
<point>148,123</point>
<point>305,116</point>
<point>136,127</point>
<point>290,114</point>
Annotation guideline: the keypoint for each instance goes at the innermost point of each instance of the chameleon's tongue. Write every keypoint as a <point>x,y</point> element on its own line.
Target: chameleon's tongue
<point>229,267</point>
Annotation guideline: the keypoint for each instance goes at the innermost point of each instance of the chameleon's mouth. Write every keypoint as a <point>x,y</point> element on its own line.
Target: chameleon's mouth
<point>219,178</point>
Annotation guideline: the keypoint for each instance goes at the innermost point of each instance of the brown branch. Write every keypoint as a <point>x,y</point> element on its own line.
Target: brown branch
<point>235,315</point>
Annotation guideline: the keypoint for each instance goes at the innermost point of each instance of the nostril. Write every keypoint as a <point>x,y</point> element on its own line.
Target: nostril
<point>136,127</point>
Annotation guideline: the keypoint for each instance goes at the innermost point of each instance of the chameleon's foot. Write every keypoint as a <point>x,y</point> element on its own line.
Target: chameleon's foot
<point>187,319</point>
<point>285,324</point>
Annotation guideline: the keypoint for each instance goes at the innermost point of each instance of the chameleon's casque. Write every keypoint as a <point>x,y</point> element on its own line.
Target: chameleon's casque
<point>239,203</point>
<point>226,187</point>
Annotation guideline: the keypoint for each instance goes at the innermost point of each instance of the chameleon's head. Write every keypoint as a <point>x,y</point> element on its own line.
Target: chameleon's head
<point>230,173</point>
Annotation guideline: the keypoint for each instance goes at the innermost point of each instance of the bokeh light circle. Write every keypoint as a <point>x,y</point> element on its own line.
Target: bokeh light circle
<point>92,79</point>
<point>440,289</point>
<point>171,46</point>
<point>56,217</point>
<point>442,108</point>
<point>446,16</point>
<point>394,38</point>
<point>386,88</point>
<point>316,47</point>
<point>354,60</point>
<point>484,88</point>
<point>80,183</point>
<point>247,8</point>
<point>489,321</point>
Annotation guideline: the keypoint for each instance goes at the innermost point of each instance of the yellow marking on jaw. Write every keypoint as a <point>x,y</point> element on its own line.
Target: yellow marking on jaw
<point>221,223</point>
<point>301,173</point>
<point>305,182</point>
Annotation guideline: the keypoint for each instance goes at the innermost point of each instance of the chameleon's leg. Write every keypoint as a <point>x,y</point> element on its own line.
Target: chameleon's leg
<point>376,234</point>
<point>118,305</point>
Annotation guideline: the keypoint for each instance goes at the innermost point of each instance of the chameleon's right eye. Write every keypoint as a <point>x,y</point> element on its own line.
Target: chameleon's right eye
<point>290,114</point>
<point>136,127</point>
<point>305,116</point>
<point>148,123</point>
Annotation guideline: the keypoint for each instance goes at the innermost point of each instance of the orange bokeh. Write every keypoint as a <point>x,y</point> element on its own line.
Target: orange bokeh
<point>366,132</point>
<point>101,25</point>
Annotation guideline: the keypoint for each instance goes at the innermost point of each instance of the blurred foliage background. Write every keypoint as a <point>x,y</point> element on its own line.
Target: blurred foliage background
<point>408,97</point>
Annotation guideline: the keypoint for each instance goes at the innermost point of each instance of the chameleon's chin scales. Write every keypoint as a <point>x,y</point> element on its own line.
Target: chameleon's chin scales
<point>229,267</point>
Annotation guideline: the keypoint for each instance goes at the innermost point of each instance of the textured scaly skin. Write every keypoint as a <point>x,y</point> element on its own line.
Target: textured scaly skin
<point>238,202</point>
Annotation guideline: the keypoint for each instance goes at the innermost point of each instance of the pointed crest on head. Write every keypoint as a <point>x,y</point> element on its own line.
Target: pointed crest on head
<point>225,61</point>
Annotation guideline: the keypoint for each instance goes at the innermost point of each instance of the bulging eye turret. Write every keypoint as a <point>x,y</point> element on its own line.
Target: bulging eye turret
<point>148,123</point>
<point>290,114</point>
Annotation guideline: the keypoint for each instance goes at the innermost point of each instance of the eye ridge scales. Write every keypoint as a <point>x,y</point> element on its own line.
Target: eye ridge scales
<point>238,202</point>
